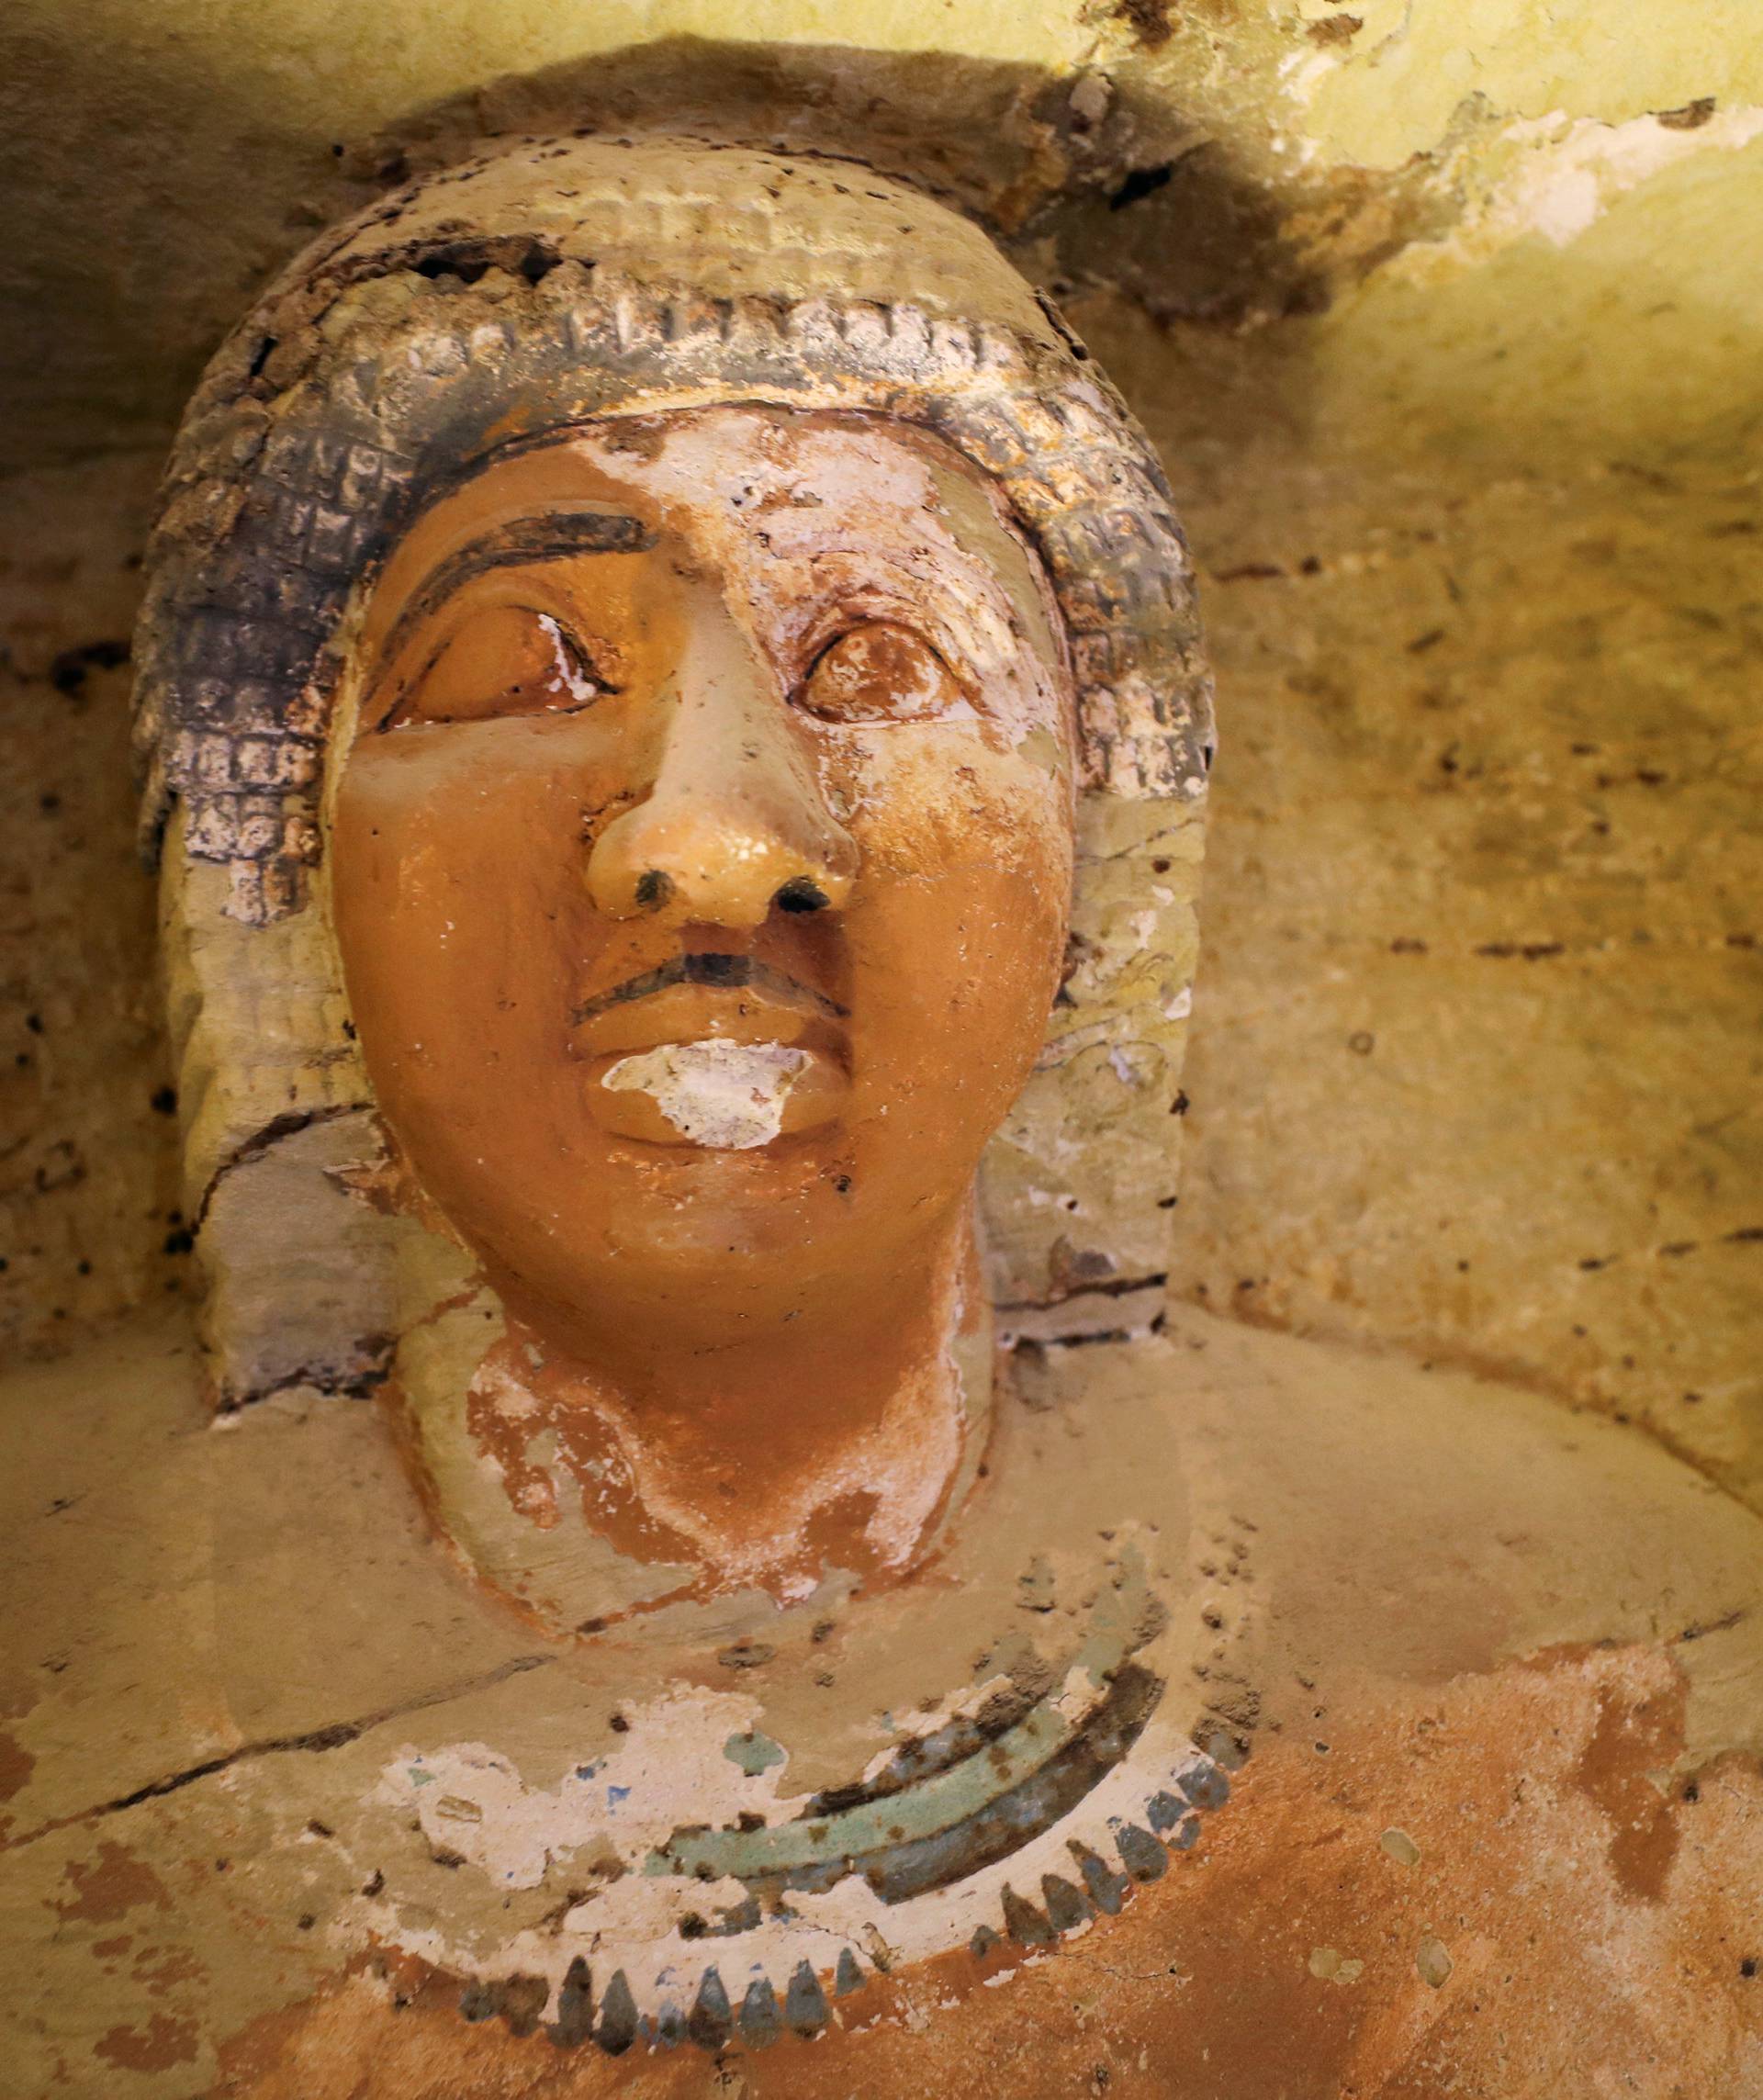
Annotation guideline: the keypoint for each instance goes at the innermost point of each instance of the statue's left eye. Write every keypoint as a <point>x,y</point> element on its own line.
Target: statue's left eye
<point>505,660</point>
<point>880,673</point>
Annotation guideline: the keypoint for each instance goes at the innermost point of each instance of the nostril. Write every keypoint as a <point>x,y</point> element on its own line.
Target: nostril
<point>802,893</point>
<point>653,888</point>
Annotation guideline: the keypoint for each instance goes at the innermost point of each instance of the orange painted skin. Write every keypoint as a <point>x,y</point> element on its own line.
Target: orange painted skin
<point>784,691</point>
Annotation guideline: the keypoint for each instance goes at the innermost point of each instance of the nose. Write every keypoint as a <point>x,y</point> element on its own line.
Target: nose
<point>734,820</point>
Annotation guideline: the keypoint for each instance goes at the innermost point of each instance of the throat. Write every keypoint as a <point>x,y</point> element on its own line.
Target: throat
<point>584,1487</point>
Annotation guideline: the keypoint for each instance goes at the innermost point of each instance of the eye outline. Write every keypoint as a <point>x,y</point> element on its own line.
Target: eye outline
<point>855,625</point>
<point>565,639</point>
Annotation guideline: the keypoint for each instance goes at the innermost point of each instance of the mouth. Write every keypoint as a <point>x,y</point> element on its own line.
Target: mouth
<point>734,998</point>
<point>715,1051</point>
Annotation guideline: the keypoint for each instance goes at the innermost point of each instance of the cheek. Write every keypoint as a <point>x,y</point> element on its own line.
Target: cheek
<point>939,803</point>
<point>485,823</point>
<point>457,902</point>
<point>958,929</point>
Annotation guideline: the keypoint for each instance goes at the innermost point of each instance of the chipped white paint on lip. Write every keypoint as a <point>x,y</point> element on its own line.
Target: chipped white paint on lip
<point>727,1097</point>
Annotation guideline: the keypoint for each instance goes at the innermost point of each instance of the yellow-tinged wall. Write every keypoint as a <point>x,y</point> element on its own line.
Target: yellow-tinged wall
<point>1447,318</point>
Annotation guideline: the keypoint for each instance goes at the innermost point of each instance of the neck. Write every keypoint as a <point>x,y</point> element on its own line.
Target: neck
<point>769,1460</point>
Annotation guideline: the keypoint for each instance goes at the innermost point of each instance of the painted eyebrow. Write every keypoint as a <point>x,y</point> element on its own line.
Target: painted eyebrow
<point>553,536</point>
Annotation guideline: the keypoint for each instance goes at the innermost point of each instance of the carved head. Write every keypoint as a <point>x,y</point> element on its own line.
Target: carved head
<point>638,636</point>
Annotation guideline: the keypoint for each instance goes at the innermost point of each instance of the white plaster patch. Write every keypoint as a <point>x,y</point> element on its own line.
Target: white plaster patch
<point>668,1771</point>
<point>1566,173</point>
<point>727,1096</point>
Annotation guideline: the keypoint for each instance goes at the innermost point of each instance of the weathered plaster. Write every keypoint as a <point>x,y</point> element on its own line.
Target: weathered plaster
<point>1496,1673</point>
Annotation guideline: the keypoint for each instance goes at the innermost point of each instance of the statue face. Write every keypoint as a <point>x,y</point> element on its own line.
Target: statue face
<point>702,860</point>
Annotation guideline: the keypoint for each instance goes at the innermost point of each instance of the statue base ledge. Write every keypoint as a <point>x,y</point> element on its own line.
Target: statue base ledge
<point>1277,1720</point>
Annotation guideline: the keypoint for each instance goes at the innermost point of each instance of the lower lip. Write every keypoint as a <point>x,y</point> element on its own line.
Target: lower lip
<point>713,1095</point>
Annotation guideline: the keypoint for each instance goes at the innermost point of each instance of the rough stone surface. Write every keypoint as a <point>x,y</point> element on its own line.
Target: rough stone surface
<point>1480,912</point>
<point>1425,1605</point>
<point>89,1213</point>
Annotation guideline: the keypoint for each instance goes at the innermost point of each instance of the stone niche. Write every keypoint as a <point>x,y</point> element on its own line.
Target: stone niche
<point>613,1570</point>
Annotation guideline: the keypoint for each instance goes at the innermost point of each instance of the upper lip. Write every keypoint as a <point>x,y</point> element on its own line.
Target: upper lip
<point>730,973</point>
<point>706,993</point>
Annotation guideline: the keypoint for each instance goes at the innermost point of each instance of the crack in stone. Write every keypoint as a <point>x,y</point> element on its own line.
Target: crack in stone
<point>1103,1287</point>
<point>332,1737</point>
<point>266,1140</point>
<point>1699,1629</point>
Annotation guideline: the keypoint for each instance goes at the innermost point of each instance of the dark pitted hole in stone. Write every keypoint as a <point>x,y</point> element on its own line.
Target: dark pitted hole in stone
<point>616,2029</point>
<point>712,2017</point>
<point>848,1977</point>
<point>1205,1786</point>
<point>1107,1888</point>
<point>1024,1922</point>
<point>1066,1909</point>
<point>575,2017</point>
<point>802,893</point>
<point>1140,182</point>
<point>760,2021</point>
<point>70,670</point>
<point>805,2010</point>
<point>1140,1854</point>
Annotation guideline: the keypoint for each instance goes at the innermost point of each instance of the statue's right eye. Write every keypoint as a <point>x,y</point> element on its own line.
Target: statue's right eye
<point>505,660</point>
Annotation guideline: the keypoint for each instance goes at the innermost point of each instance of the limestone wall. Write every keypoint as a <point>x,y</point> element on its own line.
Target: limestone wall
<point>1444,318</point>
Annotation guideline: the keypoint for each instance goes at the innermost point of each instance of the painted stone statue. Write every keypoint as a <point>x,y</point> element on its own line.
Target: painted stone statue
<point>694,1549</point>
<point>644,643</point>
<point>621,724</point>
